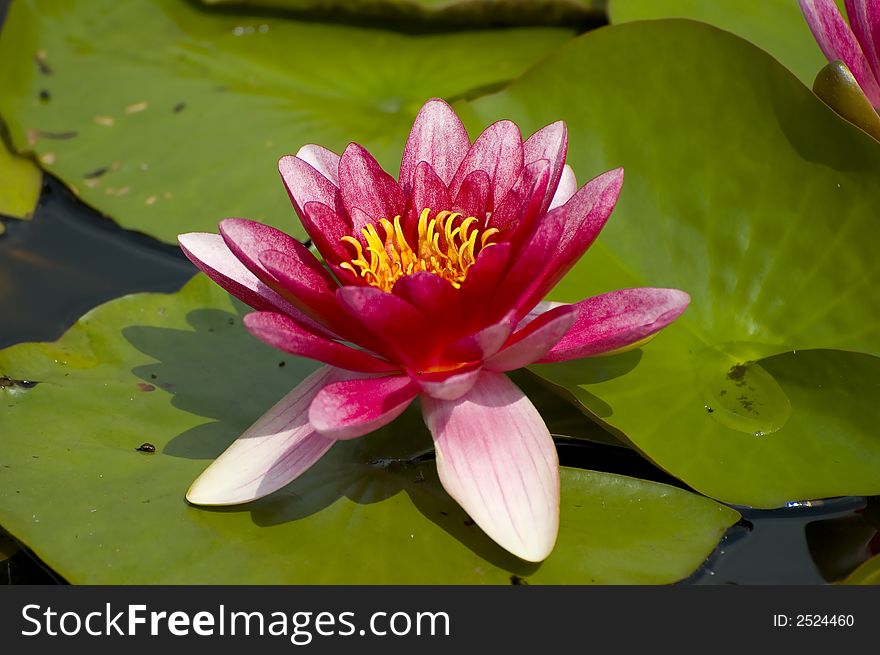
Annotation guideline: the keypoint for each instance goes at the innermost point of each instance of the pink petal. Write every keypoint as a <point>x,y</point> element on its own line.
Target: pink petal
<point>213,257</point>
<point>499,152</point>
<point>284,333</point>
<point>248,240</point>
<point>534,341</point>
<point>475,196</point>
<point>271,453</point>
<point>516,214</point>
<point>616,320</point>
<point>583,217</point>
<point>427,191</point>
<point>550,143</point>
<point>353,408</point>
<point>365,186</point>
<point>482,281</point>
<point>326,227</point>
<point>837,41</point>
<point>444,386</point>
<point>496,458</point>
<point>326,162</point>
<point>483,343</point>
<point>566,189</point>
<point>401,331</point>
<point>438,138</point>
<point>305,184</point>
<point>433,296</point>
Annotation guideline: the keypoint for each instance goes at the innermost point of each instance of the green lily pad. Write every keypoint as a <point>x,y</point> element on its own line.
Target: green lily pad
<point>20,181</point>
<point>748,192</point>
<point>470,12</point>
<point>169,118</point>
<point>179,372</point>
<point>867,574</point>
<point>777,26</point>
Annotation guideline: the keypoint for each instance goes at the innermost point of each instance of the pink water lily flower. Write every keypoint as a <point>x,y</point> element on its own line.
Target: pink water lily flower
<point>431,288</point>
<point>856,44</point>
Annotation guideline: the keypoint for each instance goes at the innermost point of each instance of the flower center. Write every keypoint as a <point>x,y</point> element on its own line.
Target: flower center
<point>444,248</point>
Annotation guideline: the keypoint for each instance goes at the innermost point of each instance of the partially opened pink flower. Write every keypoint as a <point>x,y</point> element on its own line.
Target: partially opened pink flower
<point>431,289</point>
<point>856,44</point>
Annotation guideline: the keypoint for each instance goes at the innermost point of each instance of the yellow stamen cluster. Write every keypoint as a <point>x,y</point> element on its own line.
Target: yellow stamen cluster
<point>444,249</point>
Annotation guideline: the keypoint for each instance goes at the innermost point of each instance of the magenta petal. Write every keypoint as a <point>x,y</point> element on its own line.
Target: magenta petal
<point>365,186</point>
<point>475,196</point>
<point>864,20</point>
<point>353,408</point>
<point>837,41</point>
<point>305,184</point>
<point>550,143</point>
<point>398,327</point>
<point>566,189</point>
<point>496,458</point>
<point>616,320</point>
<point>483,343</point>
<point>516,214</point>
<point>428,191</point>
<point>534,341</point>
<point>213,257</point>
<point>433,296</point>
<point>284,333</point>
<point>443,386</point>
<point>326,162</point>
<point>275,450</point>
<point>499,152</point>
<point>326,229</point>
<point>438,138</point>
<point>583,217</point>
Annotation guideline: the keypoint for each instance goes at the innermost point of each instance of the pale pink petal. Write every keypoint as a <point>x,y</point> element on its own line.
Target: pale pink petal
<point>306,184</point>
<point>326,162</point>
<point>618,319</point>
<point>496,458</point>
<point>213,257</point>
<point>353,408</point>
<point>282,332</point>
<point>276,449</point>
<point>438,138</point>
<point>566,189</point>
<point>449,387</point>
<point>534,341</point>
<point>837,41</point>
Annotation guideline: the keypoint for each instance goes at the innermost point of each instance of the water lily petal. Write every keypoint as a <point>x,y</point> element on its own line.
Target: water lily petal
<point>616,320</point>
<point>583,216</point>
<point>534,341</point>
<point>445,386</point>
<point>496,458</point>
<point>499,152</point>
<point>427,191</point>
<point>398,327</point>
<point>248,240</point>
<point>550,143</point>
<point>271,453</point>
<point>838,41</point>
<point>282,332</point>
<point>566,189</point>
<point>474,198</point>
<point>326,162</point>
<point>483,343</point>
<point>352,408</point>
<point>433,296</point>
<point>210,254</point>
<point>365,186</point>
<point>326,227</point>
<point>516,214</point>
<point>305,184</point>
<point>438,138</point>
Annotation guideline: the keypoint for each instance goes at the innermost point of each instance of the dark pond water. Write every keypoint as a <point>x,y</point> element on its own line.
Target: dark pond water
<point>69,259</point>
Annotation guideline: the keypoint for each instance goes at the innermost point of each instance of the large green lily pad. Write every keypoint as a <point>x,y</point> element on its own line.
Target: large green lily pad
<point>169,118</point>
<point>745,190</point>
<point>470,12</point>
<point>20,181</point>
<point>180,372</point>
<point>777,26</point>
